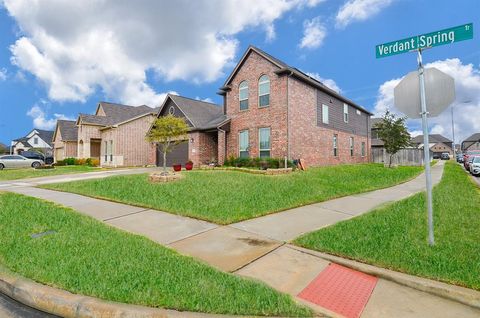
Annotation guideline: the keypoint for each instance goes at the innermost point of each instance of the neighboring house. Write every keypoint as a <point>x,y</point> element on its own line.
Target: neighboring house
<point>35,139</point>
<point>438,144</point>
<point>115,135</point>
<point>275,110</point>
<point>271,110</point>
<point>65,140</point>
<point>377,143</point>
<point>204,120</point>
<point>471,143</point>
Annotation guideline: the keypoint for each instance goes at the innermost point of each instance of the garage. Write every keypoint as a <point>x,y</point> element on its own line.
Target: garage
<point>179,155</point>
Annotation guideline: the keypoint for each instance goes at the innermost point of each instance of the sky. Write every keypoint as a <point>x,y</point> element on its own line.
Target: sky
<point>60,58</point>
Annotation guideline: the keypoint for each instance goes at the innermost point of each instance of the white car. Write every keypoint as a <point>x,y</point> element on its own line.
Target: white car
<point>475,166</point>
<point>17,161</point>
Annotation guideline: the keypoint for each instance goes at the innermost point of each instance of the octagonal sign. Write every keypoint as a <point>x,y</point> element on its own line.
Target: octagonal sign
<point>439,93</point>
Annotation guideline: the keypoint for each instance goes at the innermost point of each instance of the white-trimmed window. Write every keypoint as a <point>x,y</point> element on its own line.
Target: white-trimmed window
<point>363,149</point>
<point>324,114</point>
<point>335,147</point>
<point>345,113</point>
<point>105,151</point>
<point>111,150</point>
<point>264,142</point>
<point>351,146</point>
<point>263,91</point>
<point>243,144</point>
<point>243,95</point>
<point>35,141</point>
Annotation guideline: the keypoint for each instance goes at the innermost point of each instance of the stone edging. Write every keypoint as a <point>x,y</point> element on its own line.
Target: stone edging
<point>459,294</point>
<point>65,304</point>
<point>268,172</point>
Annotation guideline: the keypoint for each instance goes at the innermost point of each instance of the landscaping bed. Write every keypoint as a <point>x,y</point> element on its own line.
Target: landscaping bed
<point>13,174</point>
<point>226,197</point>
<point>58,247</point>
<point>395,236</point>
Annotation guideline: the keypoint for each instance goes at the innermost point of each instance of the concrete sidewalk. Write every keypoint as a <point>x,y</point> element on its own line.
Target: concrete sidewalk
<point>256,248</point>
<point>287,225</point>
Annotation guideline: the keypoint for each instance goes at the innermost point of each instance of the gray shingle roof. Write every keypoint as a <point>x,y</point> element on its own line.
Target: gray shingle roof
<point>46,135</point>
<point>68,130</point>
<point>202,115</point>
<point>116,114</point>
<point>374,121</point>
<point>473,138</point>
<point>432,138</point>
<point>24,141</point>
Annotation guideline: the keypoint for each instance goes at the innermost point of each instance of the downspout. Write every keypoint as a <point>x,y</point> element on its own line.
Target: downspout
<point>288,118</point>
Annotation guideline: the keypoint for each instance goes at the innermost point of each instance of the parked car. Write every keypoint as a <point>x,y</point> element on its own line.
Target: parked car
<point>37,155</point>
<point>445,156</point>
<point>466,157</point>
<point>475,166</point>
<point>17,161</point>
<point>460,158</point>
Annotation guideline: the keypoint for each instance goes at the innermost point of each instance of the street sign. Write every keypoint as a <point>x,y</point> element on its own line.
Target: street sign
<point>423,41</point>
<point>439,93</point>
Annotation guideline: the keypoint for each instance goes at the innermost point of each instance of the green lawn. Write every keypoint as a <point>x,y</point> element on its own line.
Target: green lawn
<point>225,197</point>
<point>13,174</point>
<point>395,236</point>
<point>87,257</point>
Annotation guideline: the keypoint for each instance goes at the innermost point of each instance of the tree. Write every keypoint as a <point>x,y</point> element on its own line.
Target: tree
<point>394,134</point>
<point>168,131</point>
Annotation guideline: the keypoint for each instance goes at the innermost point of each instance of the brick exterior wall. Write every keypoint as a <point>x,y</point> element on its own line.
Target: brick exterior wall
<point>441,147</point>
<point>292,115</point>
<point>313,142</point>
<point>274,116</point>
<point>85,133</point>
<point>129,145</point>
<point>203,148</point>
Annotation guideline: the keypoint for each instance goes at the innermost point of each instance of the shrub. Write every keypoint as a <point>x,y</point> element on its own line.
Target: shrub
<point>94,162</point>
<point>69,161</point>
<point>80,162</point>
<point>259,163</point>
<point>60,163</point>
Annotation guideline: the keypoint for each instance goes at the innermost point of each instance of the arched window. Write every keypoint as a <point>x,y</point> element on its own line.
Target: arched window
<point>263,91</point>
<point>243,95</point>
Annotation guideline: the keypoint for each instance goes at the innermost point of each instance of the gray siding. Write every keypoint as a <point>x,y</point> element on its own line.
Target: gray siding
<point>357,124</point>
<point>176,113</point>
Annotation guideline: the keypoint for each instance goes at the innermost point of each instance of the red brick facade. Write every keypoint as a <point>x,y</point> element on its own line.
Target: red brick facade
<point>202,148</point>
<point>293,119</point>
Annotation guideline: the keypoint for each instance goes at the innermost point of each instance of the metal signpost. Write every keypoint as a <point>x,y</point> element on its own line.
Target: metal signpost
<point>426,86</point>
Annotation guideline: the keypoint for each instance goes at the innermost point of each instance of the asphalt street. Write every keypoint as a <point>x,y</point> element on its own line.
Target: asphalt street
<point>10,308</point>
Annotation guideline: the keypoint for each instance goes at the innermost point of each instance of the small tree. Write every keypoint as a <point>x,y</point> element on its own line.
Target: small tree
<point>168,131</point>
<point>394,134</point>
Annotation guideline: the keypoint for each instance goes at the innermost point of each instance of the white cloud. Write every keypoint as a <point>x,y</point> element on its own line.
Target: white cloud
<point>40,119</point>
<point>75,48</point>
<point>466,105</point>
<point>3,74</point>
<point>208,99</point>
<point>330,83</point>
<point>314,32</point>
<point>359,10</point>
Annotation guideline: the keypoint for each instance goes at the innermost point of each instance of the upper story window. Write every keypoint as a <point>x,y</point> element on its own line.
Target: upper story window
<point>345,113</point>
<point>263,91</point>
<point>243,95</point>
<point>35,141</point>
<point>325,114</point>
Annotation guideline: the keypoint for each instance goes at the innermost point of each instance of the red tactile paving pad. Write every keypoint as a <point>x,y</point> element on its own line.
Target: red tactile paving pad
<point>341,290</point>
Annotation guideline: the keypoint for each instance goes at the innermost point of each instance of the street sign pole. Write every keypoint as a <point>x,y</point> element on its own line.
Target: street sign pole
<point>426,148</point>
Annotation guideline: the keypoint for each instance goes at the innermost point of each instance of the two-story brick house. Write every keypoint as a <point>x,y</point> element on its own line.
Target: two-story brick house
<point>275,110</point>
<point>272,110</point>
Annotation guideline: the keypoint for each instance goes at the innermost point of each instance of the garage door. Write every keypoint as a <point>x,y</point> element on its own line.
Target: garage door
<point>179,155</point>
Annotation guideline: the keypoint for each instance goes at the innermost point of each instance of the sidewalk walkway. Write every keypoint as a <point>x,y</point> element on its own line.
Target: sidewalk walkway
<point>256,248</point>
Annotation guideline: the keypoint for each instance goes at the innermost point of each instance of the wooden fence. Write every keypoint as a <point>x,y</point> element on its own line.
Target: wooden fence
<point>404,157</point>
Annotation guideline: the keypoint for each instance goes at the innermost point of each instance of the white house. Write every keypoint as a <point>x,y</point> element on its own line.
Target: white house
<point>37,138</point>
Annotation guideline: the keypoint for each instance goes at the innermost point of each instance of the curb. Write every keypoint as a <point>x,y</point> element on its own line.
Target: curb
<point>65,304</point>
<point>459,294</point>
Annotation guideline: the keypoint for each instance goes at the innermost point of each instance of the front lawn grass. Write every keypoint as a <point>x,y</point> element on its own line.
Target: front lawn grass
<point>395,236</point>
<point>87,257</point>
<point>226,197</point>
<point>13,174</point>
